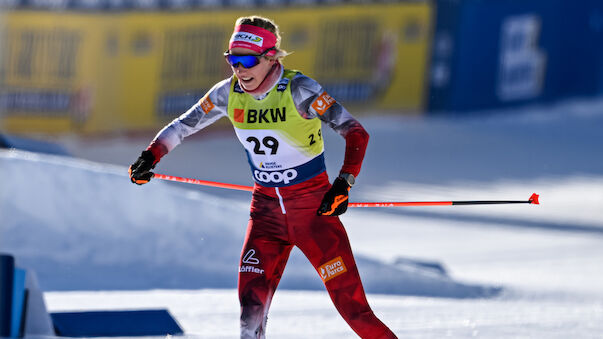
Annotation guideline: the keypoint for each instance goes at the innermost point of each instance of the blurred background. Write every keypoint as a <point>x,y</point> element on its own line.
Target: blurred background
<point>97,67</point>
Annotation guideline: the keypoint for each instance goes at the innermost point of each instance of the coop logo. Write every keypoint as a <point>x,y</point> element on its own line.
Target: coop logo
<point>247,37</point>
<point>275,176</point>
<point>250,259</point>
<point>332,269</point>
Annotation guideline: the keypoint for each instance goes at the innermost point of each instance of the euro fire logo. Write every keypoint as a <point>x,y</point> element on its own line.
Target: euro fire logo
<point>322,103</point>
<point>206,104</point>
<point>332,269</point>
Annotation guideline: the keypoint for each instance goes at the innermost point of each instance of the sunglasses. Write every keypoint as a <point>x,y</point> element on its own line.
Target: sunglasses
<point>247,61</point>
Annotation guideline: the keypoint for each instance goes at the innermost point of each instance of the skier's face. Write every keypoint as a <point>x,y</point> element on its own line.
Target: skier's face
<point>251,78</point>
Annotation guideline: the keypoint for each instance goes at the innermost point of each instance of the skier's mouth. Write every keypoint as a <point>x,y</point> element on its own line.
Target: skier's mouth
<point>246,82</point>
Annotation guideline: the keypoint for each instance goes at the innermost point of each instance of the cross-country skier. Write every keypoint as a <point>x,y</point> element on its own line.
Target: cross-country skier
<point>277,115</point>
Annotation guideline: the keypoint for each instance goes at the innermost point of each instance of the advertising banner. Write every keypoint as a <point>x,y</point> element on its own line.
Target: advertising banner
<point>489,54</point>
<point>52,66</point>
<point>110,72</point>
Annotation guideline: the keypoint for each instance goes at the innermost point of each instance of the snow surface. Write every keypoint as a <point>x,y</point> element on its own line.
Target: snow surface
<point>520,271</point>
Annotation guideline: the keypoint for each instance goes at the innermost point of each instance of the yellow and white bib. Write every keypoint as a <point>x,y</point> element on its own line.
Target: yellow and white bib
<point>283,148</point>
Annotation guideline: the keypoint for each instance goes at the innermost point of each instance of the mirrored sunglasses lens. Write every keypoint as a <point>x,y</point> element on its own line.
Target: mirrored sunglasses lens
<point>246,61</point>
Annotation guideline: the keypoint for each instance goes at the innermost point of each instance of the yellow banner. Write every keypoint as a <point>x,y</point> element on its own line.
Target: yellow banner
<point>90,73</point>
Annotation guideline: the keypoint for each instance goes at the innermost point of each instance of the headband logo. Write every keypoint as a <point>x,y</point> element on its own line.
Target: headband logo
<point>248,37</point>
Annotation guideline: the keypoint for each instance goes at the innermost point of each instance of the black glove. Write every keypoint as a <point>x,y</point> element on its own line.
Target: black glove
<point>335,201</point>
<point>140,171</point>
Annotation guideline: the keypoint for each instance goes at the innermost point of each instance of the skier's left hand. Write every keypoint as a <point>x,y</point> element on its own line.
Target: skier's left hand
<point>335,201</point>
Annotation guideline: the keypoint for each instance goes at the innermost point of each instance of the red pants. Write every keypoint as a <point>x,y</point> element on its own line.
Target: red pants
<point>285,217</point>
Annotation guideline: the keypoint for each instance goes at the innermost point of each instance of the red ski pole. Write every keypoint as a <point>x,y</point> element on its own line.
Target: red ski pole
<point>532,200</point>
<point>203,182</point>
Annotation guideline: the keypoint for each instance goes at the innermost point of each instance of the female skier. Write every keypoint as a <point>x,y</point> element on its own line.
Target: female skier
<point>277,115</point>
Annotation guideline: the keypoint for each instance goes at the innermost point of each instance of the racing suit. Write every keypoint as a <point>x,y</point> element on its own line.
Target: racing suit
<point>281,133</point>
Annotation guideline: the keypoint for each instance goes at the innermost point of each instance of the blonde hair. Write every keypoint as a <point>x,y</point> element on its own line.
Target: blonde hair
<point>267,24</point>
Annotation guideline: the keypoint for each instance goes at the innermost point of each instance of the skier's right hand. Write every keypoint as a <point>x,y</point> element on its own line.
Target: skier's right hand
<point>335,201</point>
<point>140,171</point>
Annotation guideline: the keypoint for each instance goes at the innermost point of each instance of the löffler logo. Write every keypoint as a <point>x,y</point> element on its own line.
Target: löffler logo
<point>332,269</point>
<point>249,259</point>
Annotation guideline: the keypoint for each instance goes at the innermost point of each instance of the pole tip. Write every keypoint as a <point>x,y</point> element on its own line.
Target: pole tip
<point>534,199</point>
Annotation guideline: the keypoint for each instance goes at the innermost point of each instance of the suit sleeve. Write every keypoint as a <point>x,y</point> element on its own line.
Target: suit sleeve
<point>312,101</point>
<point>206,111</point>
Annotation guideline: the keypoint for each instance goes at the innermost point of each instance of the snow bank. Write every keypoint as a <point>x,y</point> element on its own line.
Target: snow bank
<point>83,225</point>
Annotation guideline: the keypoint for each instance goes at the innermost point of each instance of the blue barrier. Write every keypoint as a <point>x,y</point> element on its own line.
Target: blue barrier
<point>19,306</point>
<point>15,312</point>
<point>115,323</point>
<point>7,267</point>
<point>496,53</point>
<point>13,298</point>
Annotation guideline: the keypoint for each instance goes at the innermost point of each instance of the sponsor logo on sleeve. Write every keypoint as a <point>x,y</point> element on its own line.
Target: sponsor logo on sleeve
<point>206,104</point>
<point>332,269</point>
<point>322,103</point>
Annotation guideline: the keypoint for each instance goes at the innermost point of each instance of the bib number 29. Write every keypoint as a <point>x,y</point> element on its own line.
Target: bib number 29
<point>268,142</point>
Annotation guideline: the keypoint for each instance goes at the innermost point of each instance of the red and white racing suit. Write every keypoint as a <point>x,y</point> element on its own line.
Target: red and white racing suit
<point>283,216</point>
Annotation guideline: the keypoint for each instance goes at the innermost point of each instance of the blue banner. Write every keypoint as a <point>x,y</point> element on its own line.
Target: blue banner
<point>489,54</point>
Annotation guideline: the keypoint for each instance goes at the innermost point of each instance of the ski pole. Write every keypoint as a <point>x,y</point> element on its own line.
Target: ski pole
<point>532,200</point>
<point>203,182</point>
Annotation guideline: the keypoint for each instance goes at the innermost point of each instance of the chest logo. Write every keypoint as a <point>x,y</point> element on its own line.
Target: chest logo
<point>239,115</point>
<point>275,176</point>
<point>267,115</point>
